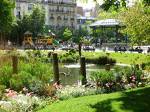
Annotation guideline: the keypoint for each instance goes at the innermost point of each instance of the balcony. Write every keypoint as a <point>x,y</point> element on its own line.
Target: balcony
<point>59,3</point>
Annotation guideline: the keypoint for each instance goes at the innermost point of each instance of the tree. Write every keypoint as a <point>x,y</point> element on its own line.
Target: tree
<point>137,24</point>
<point>20,28</point>
<point>107,4</point>
<point>67,35</point>
<point>146,2</point>
<point>6,17</point>
<point>34,23</point>
<point>113,4</point>
<point>37,20</point>
<point>78,37</point>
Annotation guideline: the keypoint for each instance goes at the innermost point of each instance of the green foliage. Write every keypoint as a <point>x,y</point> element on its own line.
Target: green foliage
<point>37,20</point>
<point>114,102</point>
<point>137,24</point>
<point>69,57</point>
<point>30,71</point>
<point>115,4</point>
<point>34,23</point>
<point>74,92</point>
<point>6,17</point>
<point>5,75</point>
<point>101,60</point>
<point>146,2</point>
<point>67,34</point>
<point>102,77</point>
<point>79,34</point>
<point>2,90</point>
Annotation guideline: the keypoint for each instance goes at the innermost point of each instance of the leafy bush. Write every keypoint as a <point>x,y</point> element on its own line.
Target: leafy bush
<point>2,90</point>
<point>103,79</point>
<point>69,57</point>
<point>119,78</point>
<point>17,102</point>
<point>75,91</point>
<point>102,60</point>
<point>5,75</point>
<point>29,71</point>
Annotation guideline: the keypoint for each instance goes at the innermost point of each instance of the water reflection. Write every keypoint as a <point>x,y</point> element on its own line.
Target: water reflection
<point>70,74</point>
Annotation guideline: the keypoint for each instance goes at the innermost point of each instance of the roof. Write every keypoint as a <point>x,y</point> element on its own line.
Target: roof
<point>28,32</point>
<point>107,23</point>
<point>86,18</point>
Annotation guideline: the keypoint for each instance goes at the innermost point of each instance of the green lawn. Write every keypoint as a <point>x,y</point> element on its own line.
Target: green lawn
<point>137,100</point>
<point>125,58</point>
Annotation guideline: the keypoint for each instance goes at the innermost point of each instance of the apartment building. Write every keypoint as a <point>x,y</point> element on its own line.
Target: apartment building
<point>58,13</point>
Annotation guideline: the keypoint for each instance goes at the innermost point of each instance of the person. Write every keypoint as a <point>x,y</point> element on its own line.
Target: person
<point>9,43</point>
<point>115,49</point>
<point>148,50</point>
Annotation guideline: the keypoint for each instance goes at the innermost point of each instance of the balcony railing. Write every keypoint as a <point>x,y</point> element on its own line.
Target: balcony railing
<point>61,11</point>
<point>62,2</point>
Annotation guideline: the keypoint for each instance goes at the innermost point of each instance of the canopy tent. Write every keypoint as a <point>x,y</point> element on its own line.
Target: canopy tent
<point>108,23</point>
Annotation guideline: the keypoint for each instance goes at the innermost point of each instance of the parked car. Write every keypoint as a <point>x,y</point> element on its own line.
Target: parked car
<point>137,49</point>
<point>116,49</point>
<point>89,48</point>
<point>68,48</point>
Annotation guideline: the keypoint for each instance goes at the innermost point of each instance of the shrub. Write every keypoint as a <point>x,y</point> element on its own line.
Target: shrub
<point>75,91</point>
<point>102,60</point>
<point>2,90</point>
<point>69,57</point>
<point>17,102</point>
<point>34,70</point>
<point>5,75</point>
<point>101,78</point>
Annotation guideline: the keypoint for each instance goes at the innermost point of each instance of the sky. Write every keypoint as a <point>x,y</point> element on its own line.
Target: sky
<point>88,5</point>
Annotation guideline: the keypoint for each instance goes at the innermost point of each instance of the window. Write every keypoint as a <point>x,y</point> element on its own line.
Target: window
<point>30,6</point>
<point>58,18</point>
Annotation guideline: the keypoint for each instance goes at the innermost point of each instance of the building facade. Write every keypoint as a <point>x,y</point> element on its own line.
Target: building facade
<point>58,13</point>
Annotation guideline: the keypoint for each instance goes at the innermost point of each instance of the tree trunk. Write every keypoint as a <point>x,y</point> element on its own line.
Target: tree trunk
<point>83,70</point>
<point>55,68</point>
<point>80,45</point>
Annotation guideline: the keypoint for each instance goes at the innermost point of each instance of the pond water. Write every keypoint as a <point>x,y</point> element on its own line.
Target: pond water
<point>70,74</point>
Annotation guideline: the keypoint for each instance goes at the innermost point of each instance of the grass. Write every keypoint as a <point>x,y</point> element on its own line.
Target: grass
<point>136,100</point>
<point>125,58</point>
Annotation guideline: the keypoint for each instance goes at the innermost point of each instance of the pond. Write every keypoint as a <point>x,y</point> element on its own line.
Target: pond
<point>70,74</point>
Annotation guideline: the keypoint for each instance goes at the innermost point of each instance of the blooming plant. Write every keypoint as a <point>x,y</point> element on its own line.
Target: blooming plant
<point>19,102</point>
<point>75,91</point>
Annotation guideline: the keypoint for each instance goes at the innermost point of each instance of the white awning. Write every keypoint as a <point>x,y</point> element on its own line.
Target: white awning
<point>106,22</point>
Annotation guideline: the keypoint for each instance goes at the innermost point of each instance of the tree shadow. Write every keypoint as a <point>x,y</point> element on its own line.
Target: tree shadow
<point>133,101</point>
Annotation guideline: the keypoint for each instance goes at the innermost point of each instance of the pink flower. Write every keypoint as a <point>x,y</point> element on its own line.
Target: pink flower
<point>57,86</point>
<point>29,94</point>
<point>11,93</point>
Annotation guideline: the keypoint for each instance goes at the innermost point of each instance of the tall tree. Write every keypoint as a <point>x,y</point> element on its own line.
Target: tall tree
<point>115,4</point>
<point>37,20</point>
<point>78,37</point>
<point>137,24</point>
<point>34,23</point>
<point>67,35</point>
<point>146,2</point>
<point>6,17</point>
<point>107,4</point>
